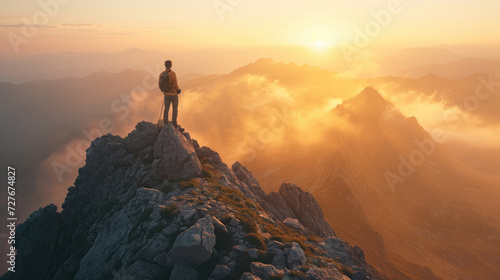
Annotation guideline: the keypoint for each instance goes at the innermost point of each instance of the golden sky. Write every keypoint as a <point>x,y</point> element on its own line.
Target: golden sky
<point>111,26</point>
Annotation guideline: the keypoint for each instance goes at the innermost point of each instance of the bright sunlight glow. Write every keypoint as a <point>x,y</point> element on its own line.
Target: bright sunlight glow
<point>319,38</point>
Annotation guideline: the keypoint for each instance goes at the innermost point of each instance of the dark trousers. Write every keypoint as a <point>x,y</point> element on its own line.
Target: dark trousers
<point>174,99</point>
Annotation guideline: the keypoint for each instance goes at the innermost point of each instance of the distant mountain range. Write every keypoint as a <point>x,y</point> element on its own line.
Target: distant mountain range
<point>386,184</point>
<point>410,62</point>
<point>456,69</point>
<point>333,136</point>
<point>59,65</point>
<point>69,64</point>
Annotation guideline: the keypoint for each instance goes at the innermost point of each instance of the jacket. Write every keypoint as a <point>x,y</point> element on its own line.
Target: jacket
<point>172,80</point>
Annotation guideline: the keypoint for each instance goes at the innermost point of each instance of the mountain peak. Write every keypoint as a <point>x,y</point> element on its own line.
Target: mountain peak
<point>368,102</point>
<point>156,205</point>
<point>135,50</point>
<point>265,61</point>
<point>279,70</point>
<point>431,76</point>
<point>369,94</point>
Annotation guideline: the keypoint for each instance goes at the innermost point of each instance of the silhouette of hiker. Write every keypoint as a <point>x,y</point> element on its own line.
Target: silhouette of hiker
<point>168,85</point>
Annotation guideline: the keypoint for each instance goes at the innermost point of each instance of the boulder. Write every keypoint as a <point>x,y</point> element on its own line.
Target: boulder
<point>265,271</point>
<point>296,256</point>
<point>344,252</point>
<point>184,272</point>
<point>219,226</point>
<point>253,253</point>
<point>325,273</point>
<point>144,135</point>
<point>249,276</point>
<point>279,259</point>
<point>234,222</point>
<point>292,202</point>
<point>188,213</point>
<point>273,244</point>
<point>307,209</point>
<point>175,156</point>
<point>220,272</point>
<point>155,246</point>
<point>295,224</point>
<point>195,245</point>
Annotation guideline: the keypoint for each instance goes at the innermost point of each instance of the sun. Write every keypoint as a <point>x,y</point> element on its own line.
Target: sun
<point>319,43</point>
<point>319,38</point>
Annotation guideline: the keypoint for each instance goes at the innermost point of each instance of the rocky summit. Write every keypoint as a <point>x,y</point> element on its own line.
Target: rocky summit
<point>156,205</point>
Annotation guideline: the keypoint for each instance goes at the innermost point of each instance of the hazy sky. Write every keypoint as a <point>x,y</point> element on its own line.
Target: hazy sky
<point>113,25</point>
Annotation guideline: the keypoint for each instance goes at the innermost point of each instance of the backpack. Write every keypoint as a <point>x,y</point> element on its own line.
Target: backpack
<point>164,82</point>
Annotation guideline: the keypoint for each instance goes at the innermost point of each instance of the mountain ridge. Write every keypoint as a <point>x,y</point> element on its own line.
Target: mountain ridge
<point>455,69</point>
<point>351,165</point>
<point>156,205</point>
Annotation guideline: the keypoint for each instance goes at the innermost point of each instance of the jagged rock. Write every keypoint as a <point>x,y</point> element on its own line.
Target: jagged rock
<point>169,230</point>
<point>253,253</point>
<point>211,157</point>
<point>273,244</point>
<point>296,256</point>
<point>220,272</point>
<point>107,250</point>
<point>243,174</point>
<point>267,218</point>
<point>234,222</point>
<point>231,177</point>
<point>293,202</point>
<point>240,248</point>
<point>249,276</point>
<point>232,265</point>
<point>187,214</point>
<point>144,135</point>
<point>208,154</point>
<point>119,221</point>
<point>218,225</point>
<point>35,243</point>
<point>279,259</point>
<point>155,246</point>
<point>325,273</point>
<point>295,224</point>
<point>184,272</point>
<point>343,251</point>
<point>307,209</point>
<point>175,156</point>
<point>247,178</point>
<point>140,269</point>
<point>196,244</point>
<point>226,260</point>
<point>264,271</point>
<point>278,206</point>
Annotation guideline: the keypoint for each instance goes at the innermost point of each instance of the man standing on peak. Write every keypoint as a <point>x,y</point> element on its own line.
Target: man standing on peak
<point>168,85</point>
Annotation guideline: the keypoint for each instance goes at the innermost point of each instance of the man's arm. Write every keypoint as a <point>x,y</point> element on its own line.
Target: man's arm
<point>159,79</point>
<point>174,84</point>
